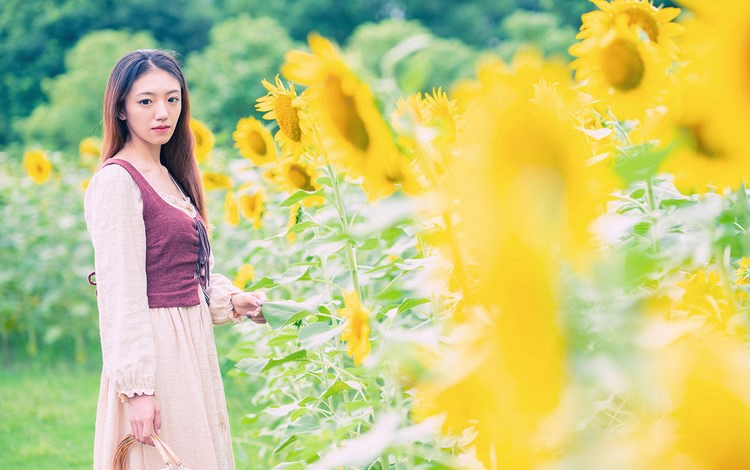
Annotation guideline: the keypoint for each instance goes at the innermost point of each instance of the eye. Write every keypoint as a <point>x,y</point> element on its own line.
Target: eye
<point>174,99</point>
<point>144,101</point>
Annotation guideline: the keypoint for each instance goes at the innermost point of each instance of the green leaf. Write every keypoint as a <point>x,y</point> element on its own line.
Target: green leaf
<point>337,387</point>
<point>262,284</point>
<point>291,275</point>
<point>284,444</point>
<point>300,356</point>
<point>299,196</point>
<point>411,303</point>
<point>369,244</point>
<point>355,405</point>
<point>280,312</point>
<point>300,227</point>
<point>641,165</point>
<point>281,339</point>
<point>316,334</point>
<point>251,366</point>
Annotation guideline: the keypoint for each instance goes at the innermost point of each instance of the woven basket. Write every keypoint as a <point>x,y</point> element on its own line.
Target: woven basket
<point>167,454</point>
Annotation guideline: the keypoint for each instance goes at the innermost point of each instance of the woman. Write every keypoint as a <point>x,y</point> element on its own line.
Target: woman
<point>156,294</point>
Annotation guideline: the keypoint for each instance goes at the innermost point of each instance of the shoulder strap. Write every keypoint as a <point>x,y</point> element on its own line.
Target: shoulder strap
<point>143,185</point>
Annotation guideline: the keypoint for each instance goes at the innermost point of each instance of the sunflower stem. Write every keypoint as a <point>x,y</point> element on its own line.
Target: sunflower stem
<point>652,212</point>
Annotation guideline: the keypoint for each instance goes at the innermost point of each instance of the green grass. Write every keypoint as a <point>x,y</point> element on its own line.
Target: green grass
<point>47,416</point>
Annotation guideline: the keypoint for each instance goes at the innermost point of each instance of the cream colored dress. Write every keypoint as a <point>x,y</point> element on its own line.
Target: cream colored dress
<point>167,352</point>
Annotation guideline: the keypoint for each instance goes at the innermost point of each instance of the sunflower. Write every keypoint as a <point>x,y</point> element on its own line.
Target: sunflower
<point>442,113</point>
<point>283,105</point>
<point>292,175</point>
<point>622,71</point>
<point>254,141</point>
<point>204,140</point>
<point>232,213</point>
<point>213,181</point>
<point>90,149</point>
<point>718,56</point>
<point>700,157</point>
<point>357,330</point>
<point>351,125</point>
<point>245,273</point>
<point>743,272</point>
<point>654,23</point>
<point>37,165</point>
<point>252,206</point>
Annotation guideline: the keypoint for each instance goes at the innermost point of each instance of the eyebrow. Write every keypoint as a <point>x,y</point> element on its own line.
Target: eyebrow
<point>151,93</point>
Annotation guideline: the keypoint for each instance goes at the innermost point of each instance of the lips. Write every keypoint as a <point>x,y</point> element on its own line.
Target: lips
<point>160,128</point>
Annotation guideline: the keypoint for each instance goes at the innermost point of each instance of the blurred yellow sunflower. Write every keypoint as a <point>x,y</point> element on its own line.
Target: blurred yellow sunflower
<point>295,216</point>
<point>252,206</point>
<point>351,125</point>
<point>292,175</point>
<point>283,105</point>
<point>622,71</point>
<point>213,181</point>
<point>443,113</point>
<point>90,149</point>
<point>232,213</point>
<point>37,165</point>
<point>743,272</point>
<point>654,22</point>
<point>254,141</point>
<point>245,274</point>
<point>719,61</point>
<point>357,329</point>
<point>699,158</point>
<point>204,140</point>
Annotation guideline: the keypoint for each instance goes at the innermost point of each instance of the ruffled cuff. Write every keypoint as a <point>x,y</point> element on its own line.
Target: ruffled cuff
<point>219,295</point>
<point>127,395</point>
<point>128,388</point>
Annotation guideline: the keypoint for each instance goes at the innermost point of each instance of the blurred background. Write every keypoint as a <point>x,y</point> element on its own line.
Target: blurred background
<point>55,57</point>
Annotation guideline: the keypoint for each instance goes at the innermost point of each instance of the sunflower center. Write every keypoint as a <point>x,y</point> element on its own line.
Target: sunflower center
<point>299,177</point>
<point>343,111</point>
<point>286,116</point>
<point>250,203</point>
<point>256,142</point>
<point>644,20</point>
<point>702,143</point>
<point>622,65</point>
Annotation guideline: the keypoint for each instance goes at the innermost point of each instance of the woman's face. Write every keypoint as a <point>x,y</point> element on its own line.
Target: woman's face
<point>152,107</point>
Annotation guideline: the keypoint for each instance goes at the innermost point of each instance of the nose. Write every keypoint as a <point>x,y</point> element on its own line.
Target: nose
<point>161,111</point>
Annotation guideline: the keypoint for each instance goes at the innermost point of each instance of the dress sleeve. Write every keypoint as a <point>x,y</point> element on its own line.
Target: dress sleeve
<point>219,290</point>
<point>114,218</point>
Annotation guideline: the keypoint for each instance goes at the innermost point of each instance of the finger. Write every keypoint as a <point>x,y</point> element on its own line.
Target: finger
<point>157,422</point>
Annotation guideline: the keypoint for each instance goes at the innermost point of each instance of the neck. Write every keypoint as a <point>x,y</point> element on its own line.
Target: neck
<point>142,154</point>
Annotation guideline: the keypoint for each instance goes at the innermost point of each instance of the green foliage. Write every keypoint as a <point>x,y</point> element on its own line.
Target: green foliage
<point>408,55</point>
<point>36,34</point>
<point>540,30</point>
<point>225,76</point>
<point>46,250</point>
<point>74,99</point>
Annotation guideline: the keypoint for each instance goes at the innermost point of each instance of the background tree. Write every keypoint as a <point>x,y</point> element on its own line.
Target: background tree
<point>407,53</point>
<point>225,78</point>
<point>74,99</point>
<point>35,34</point>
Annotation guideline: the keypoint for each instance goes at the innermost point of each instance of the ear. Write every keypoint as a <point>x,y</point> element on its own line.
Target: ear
<point>121,116</point>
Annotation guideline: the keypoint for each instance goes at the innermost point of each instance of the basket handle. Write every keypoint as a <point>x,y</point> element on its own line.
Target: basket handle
<point>167,454</point>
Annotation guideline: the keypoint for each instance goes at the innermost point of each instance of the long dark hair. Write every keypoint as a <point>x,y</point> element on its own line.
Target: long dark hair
<point>177,154</point>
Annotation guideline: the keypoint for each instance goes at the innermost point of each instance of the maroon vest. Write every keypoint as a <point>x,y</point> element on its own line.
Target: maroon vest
<point>177,248</point>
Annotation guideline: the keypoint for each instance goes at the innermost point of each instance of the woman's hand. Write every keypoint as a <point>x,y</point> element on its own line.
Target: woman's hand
<point>249,305</point>
<point>145,418</point>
